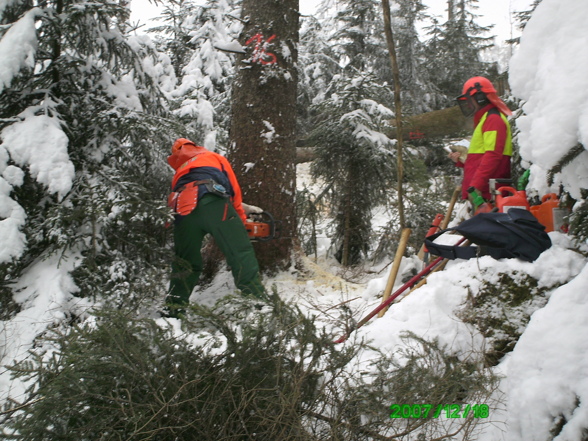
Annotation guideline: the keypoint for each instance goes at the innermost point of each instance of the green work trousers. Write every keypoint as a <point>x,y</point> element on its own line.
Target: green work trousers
<point>216,216</point>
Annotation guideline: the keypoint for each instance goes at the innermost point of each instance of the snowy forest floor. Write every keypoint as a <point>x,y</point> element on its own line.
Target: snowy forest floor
<point>542,376</point>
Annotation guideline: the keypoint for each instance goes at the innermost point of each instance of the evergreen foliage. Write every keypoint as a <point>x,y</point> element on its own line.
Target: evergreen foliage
<point>318,64</point>
<point>418,90</point>
<point>353,35</point>
<point>579,220</point>
<point>501,311</point>
<point>357,38</point>
<point>100,91</point>
<point>454,47</point>
<point>249,374</point>
<point>355,156</point>
<point>173,36</point>
<point>190,35</point>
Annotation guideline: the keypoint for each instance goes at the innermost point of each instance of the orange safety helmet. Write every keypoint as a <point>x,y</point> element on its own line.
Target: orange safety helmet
<point>178,143</point>
<point>478,84</point>
<point>182,150</point>
<point>482,91</point>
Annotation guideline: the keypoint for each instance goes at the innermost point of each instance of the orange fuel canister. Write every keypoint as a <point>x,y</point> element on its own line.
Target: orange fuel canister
<point>548,213</point>
<point>514,199</point>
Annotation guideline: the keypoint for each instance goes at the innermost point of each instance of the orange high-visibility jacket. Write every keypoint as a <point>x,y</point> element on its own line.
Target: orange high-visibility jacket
<point>193,163</point>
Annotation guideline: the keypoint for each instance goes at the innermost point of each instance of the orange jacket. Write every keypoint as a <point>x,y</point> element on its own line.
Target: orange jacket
<point>187,157</point>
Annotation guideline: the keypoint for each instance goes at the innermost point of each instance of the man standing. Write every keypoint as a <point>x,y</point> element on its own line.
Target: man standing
<point>490,149</point>
<point>206,198</point>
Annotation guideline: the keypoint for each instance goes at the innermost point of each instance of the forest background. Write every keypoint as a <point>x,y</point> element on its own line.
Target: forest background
<point>89,107</point>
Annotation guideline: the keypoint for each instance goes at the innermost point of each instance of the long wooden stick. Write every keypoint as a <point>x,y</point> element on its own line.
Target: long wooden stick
<point>397,106</point>
<point>435,225</point>
<point>439,267</point>
<point>452,203</point>
<point>395,266</point>
<point>412,282</point>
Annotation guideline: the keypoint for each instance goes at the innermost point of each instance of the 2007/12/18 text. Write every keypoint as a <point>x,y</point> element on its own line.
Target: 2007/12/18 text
<point>447,410</point>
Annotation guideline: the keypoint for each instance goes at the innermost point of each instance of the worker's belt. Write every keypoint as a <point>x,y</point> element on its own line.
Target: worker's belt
<point>185,199</point>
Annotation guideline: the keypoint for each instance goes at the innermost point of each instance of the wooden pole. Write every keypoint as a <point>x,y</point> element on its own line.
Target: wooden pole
<point>395,267</point>
<point>452,203</point>
<point>444,222</point>
<point>440,267</point>
<point>398,107</point>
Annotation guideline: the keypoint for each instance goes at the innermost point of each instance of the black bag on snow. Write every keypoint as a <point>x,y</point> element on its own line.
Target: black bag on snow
<point>516,233</point>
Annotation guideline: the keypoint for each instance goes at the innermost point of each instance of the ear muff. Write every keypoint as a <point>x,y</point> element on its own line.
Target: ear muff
<point>481,98</point>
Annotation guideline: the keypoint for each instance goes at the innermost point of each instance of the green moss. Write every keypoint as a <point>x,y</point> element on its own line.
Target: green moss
<point>501,310</point>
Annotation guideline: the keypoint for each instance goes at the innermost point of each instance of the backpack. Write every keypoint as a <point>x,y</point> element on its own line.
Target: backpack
<point>516,233</point>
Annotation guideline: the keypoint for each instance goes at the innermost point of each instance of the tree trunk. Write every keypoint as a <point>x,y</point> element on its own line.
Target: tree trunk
<point>450,11</point>
<point>398,107</point>
<point>263,125</point>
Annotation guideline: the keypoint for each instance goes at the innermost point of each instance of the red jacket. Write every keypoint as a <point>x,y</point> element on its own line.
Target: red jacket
<point>489,153</point>
<point>192,162</point>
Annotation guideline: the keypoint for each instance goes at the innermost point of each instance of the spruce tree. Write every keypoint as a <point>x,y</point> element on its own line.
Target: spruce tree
<point>195,37</point>
<point>354,157</point>
<point>454,48</point>
<point>358,38</point>
<point>353,34</point>
<point>318,64</point>
<point>419,94</point>
<point>263,119</point>
<point>84,131</point>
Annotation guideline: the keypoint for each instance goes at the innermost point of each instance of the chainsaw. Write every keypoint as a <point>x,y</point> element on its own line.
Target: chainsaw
<point>261,227</point>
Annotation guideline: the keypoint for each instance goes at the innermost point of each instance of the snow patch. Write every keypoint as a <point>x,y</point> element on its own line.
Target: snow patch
<point>270,134</point>
<point>546,72</point>
<point>39,143</point>
<point>546,374</point>
<point>17,46</point>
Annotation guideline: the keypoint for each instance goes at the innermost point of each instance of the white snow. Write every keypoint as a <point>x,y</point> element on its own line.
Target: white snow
<point>124,91</point>
<point>36,142</point>
<point>547,72</point>
<point>39,143</point>
<point>270,133</point>
<point>545,375</point>
<point>232,46</point>
<point>12,219</point>
<point>17,46</point>
<point>45,294</point>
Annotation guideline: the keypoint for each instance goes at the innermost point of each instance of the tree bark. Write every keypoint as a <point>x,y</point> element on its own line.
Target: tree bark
<point>263,125</point>
<point>398,107</point>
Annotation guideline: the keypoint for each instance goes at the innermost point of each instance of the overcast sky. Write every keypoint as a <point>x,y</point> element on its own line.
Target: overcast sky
<point>497,12</point>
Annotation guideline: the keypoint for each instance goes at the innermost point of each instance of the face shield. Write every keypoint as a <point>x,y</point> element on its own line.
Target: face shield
<point>467,105</point>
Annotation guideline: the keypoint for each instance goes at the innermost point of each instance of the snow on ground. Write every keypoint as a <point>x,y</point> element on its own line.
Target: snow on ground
<point>45,294</point>
<point>543,376</point>
<point>556,334</point>
<point>547,371</point>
